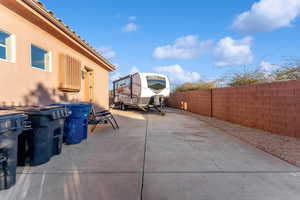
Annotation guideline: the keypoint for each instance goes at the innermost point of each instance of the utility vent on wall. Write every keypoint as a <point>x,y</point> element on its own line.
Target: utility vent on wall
<point>70,73</point>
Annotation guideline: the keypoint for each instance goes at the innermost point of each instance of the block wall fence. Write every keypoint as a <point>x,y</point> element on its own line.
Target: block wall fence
<point>273,107</point>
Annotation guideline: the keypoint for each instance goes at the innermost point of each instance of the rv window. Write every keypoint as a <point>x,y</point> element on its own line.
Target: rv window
<point>123,83</point>
<point>156,82</point>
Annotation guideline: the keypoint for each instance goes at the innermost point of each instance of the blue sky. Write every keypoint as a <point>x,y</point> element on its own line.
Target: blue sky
<point>187,40</point>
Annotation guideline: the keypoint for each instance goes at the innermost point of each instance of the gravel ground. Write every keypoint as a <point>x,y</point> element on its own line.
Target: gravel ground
<point>283,147</point>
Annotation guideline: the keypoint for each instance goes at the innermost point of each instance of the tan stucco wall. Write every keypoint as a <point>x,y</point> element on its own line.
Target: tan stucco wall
<point>21,84</point>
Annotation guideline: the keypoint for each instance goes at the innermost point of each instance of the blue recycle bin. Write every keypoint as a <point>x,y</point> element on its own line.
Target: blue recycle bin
<point>76,125</point>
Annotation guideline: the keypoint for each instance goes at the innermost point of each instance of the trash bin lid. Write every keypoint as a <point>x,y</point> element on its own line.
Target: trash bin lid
<point>6,113</point>
<point>78,104</point>
<point>55,112</point>
<point>36,108</point>
<point>11,119</point>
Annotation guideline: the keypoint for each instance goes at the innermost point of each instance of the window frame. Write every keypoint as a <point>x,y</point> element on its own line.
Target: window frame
<point>11,57</point>
<point>47,68</point>
<point>4,46</point>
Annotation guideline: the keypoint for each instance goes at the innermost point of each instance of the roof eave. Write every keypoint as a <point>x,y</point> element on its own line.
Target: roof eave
<point>61,29</point>
<point>66,29</point>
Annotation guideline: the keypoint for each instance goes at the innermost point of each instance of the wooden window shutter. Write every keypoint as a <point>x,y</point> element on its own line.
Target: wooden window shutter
<point>70,73</point>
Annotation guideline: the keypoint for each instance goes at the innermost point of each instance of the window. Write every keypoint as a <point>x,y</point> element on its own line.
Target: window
<point>156,82</point>
<point>7,46</point>
<point>40,58</point>
<point>124,83</point>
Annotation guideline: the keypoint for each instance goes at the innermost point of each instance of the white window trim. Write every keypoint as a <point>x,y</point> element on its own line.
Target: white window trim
<point>50,61</point>
<point>49,68</point>
<point>13,48</point>
<point>4,60</point>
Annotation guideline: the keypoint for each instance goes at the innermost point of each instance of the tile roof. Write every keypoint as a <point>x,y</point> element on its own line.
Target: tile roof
<point>69,31</point>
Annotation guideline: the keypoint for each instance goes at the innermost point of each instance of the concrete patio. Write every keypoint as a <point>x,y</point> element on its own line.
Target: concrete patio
<point>153,157</point>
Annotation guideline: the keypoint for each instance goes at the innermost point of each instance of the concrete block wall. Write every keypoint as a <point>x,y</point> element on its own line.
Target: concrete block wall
<point>197,101</point>
<point>273,107</point>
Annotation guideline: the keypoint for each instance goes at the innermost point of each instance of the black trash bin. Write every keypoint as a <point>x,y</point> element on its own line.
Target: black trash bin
<point>38,145</point>
<point>11,125</point>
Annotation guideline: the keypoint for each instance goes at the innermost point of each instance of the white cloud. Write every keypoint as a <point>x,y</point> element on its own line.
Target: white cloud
<point>233,52</point>
<point>132,18</point>
<point>115,75</point>
<point>131,27</point>
<point>227,51</point>
<point>268,67</point>
<point>177,74</point>
<point>134,70</point>
<point>268,15</point>
<point>186,47</point>
<point>107,52</point>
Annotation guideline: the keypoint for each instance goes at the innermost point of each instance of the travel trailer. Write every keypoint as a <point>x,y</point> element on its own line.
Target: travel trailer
<point>141,90</point>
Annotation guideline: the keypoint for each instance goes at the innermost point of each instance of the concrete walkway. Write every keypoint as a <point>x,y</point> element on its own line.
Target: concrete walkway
<point>152,157</point>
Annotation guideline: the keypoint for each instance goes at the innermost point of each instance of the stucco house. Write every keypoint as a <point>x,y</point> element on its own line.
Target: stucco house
<point>43,61</point>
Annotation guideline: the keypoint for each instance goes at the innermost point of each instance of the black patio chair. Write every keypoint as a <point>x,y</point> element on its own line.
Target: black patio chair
<point>102,117</point>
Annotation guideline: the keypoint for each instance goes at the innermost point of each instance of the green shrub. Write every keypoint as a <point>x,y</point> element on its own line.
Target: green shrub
<point>248,78</point>
<point>288,73</point>
<point>195,86</point>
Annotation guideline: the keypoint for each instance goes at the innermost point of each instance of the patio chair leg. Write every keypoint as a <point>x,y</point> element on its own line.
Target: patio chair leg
<point>94,127</point>
<point>108,119</point>
<point>117,125</point>
<point>102,117</point>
